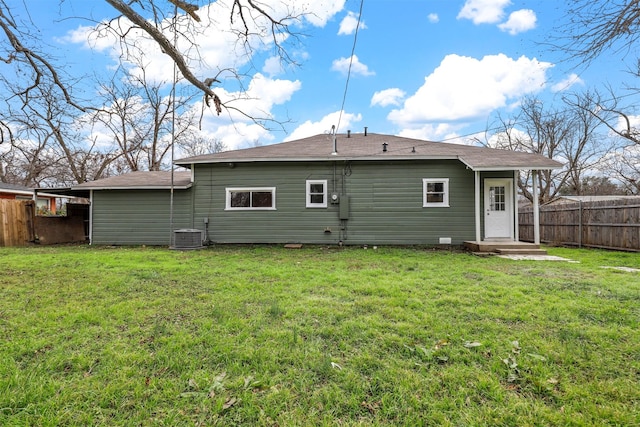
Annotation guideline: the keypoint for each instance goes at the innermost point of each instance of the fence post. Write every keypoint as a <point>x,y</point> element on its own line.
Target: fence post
<point>579,223</point>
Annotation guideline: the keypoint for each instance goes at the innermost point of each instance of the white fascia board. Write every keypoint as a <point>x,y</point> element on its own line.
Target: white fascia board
<point>498,168</point>
<point>512,168</point>
<point>30,193</point>
<point>148,187</point>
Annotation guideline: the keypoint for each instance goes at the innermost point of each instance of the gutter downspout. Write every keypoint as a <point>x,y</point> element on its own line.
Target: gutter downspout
<point>90,217</point>
<point>477,207</point>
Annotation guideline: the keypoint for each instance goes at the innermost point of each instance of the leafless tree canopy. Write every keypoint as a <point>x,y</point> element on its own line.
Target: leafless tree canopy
<point>52,135</point>
<point>567,135</point>
<point>15,50</point>
<point>251,18</point>
<point>595,26</point>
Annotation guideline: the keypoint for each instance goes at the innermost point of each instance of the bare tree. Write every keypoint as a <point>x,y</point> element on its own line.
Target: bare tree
<point>596,186</point>
<point>610,111</point>
<point>596,26</point>
<point>196,144</point>
<point>142,121</point>
<point>47,146</point>
<point>17,47</point>
<point>623,166</point>
<point>566,135</point>
<point>251,20</point>
<point>26,164</point>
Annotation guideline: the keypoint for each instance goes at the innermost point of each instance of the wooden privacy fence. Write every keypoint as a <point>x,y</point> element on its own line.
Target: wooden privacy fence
<point>609,224</point>
<point>20,226</point>
<point>16,222</point>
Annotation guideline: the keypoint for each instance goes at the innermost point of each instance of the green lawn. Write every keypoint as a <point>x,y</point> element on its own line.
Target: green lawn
<point>269,336</point>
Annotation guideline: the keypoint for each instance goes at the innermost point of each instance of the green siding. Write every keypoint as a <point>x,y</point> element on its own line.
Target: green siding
<point>136,217</point>
<point>385,203</point>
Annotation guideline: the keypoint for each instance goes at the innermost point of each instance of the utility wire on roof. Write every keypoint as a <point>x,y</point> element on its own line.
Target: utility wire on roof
<point>353,50</point>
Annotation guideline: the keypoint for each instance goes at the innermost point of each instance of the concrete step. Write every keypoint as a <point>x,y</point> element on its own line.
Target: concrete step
<point>518,251</point>
<point>493,246</point>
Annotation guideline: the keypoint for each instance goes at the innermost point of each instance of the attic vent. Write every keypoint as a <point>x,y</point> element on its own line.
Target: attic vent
<point>187,238</point>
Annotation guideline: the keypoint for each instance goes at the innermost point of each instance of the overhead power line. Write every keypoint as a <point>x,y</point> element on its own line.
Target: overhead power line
<point>353,50</point>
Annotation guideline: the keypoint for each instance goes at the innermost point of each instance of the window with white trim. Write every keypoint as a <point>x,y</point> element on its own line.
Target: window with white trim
<point>316,193</point>
<point>259,198</point>
<point>435,192</point>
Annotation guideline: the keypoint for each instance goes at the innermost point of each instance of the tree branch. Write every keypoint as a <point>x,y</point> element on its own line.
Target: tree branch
<point>169,49</point>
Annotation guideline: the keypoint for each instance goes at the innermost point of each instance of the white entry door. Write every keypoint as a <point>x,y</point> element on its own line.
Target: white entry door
<point>498,209</point>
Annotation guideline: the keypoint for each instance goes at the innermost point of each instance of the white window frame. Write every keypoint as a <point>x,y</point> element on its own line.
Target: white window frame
<point>230,190</point>
<point>445,199</point>
<point>311,182</point>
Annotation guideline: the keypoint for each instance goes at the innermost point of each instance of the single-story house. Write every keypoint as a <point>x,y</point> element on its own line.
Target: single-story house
<point>354,188</point>
<point>44,201</point>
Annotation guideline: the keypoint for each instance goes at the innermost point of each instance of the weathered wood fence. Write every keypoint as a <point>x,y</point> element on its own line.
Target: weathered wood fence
<point>16,222</point>
<point>609,224</point>
<point>20,226</point>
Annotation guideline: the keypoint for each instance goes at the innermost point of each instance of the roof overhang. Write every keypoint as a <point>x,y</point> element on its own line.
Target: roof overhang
<point>62,192</point>
<point>142,187</point>
<point>329,158</point>
<point>51,193</point>
<point>377,158</point>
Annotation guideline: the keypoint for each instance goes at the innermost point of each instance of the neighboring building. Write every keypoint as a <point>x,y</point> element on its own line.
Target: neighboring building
<point>45,201</point>
<point>354,189</point>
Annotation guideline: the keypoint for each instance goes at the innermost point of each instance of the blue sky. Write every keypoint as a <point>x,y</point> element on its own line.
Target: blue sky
<point>430,69</point>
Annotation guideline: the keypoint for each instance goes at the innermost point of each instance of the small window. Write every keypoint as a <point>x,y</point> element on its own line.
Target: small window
<point>497,198</point>
<point>317,193</point>
<point>435,192</point>
<point>251,198</point>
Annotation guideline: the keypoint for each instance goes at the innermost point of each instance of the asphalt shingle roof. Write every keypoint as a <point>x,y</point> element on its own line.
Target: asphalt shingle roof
<point>370,147</point>
<point>5,186</point>
<point>139,180</point>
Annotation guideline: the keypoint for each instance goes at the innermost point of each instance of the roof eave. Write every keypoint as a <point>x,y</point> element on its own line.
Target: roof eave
<point>512,168</point>
<point>328,158</point>
<point>30,193</point>
<point>130,187</point>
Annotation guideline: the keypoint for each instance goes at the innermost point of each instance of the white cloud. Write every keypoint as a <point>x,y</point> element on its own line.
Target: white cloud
<point>236,130</point>
<point>572,79</point>
<point>259,98</point>
<point>272,66</point>
<point>519,21</point>
<point>484,11</point>
<point>310,128</point>
<point>466,88</point>
<point>634,123</point>
<point>349,24</point>
<point>387,97</point>
<point>433,132</point>
<point>87,37</point>
<point>342,65</point>
<point>317,12</point>
<point>241,135</point>
<point>502,139</point>
<point>433,18</point>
